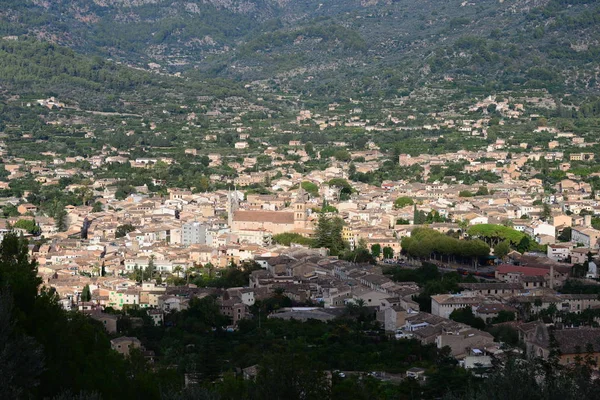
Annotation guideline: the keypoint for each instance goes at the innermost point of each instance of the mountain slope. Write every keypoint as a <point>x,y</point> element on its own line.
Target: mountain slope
<point>338,47</point>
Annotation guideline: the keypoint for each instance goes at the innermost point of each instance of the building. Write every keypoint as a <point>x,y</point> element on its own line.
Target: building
<point>193,233</point>
<point>273,222</point>
<point>586,236</point>
<point>27,208</point>
<point>124,344</point>
<point>572,343</point>
<point>559,251</point>
<point>581,157</point>
<point>109,321</point>
<point>443,305</point>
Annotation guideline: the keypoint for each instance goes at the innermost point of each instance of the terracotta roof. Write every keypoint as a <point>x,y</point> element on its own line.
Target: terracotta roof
<point>527,271</point>
<point>275,217</point>
<point>570,339</point>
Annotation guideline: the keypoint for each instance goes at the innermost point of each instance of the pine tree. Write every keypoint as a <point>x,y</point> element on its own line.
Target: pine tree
<point>61,219</point>
<point>86,294</point>
<point>103,270</point>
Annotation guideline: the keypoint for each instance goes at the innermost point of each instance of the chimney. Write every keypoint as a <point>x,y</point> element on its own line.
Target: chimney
<point>587,221</point>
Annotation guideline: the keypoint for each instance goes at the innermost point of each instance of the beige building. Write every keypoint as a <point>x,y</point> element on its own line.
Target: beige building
<point>124,344</point>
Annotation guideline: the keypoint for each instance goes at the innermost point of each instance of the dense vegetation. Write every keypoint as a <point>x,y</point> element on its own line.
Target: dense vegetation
<point>377,48</point>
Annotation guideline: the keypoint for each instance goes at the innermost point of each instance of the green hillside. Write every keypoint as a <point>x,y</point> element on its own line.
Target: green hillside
<point>342,47</point>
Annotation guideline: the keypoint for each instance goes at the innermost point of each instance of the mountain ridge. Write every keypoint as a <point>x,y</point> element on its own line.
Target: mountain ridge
<point>375,47</point>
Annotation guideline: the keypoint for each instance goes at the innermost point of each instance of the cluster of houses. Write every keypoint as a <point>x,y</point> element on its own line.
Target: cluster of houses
<point>110,238</point>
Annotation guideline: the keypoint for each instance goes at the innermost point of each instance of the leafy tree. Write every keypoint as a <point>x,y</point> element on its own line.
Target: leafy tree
<point>494,234</point>
<point>21,357</point>
<point>290,376</point>
<point>311,188</point>
<point>565,235</point>
<point>18,274</point>
<point>466,316</point>
<point>376,250</point>
<point>403,201</point>
<point>61,219</point>
<point>343,186</point>
<point>524,245</point>
<point>123,230</point>
<point>482,191</point>
<point>29,225</point>
<point>328,234</point>
<point>504,316</point>
<point>546,212</point>
<point>502,249</point>
<point>505,334</point>
<point>288,238</point>
<point>98,207</point>
<point>86,294</point>
<point>388,252</point>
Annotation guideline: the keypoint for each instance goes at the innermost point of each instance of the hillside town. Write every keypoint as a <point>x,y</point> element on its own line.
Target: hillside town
<point>143,249</point>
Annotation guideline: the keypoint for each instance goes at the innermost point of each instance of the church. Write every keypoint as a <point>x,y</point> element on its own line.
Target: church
<point>273,222</point>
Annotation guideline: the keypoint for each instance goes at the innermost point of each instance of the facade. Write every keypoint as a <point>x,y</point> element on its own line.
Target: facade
<point>587,236</point>
<point>559,251</point>
<point>193,233</point>
<point>124,344</point>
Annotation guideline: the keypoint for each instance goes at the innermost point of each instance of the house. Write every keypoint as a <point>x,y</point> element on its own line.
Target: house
<point>109,321</point>
<point>559,251</point>
<point>157,316</point>
<point>586,236</point>
<point>124,344</point>
<point>572,343</point>
<point>392,318</point>
<point>444,304</point>
<point>27,208</point>
<point>462,340</point>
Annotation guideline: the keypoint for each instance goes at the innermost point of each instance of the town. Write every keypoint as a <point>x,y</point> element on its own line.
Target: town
<point>513,223</point>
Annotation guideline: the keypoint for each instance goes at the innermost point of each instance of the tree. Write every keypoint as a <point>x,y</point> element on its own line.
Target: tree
<point>28,225</point>
<point>328,234</point>
<point>310,188</point>
<point>61,219</point>
<point>546,212</point>
<point>466,316</point>
<point>103,269</point>
<point>504,316</point>
<point>345,189</point>
<point>288,238</point>
<point>502,249</point>
<point>376,250</point>
<point>18,274</point>
<point>482,191</point>
<point>86,294</point>
<point>98,207</point>
<point>151,268</point>
<point>290,376</point>
<point>419,217</point>
<point>388,252</point>
<point>21,357</point>
<point>403,201</point>
<point>123,230</point>
<point>524,244</point>
<point>565,235</point>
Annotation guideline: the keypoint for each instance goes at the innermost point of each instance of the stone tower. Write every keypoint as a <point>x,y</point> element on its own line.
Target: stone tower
<point>300,211</point>
<point>233,204</point>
